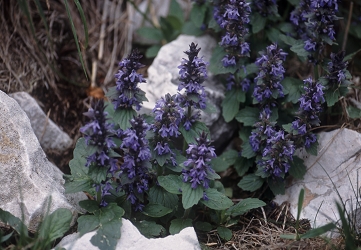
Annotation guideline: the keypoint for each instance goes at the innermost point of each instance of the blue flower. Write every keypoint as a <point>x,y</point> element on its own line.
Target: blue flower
<point>197,169</point>
<point>233,16</point>
<point>127,93</point>
<point>337,75</point>
<point>271,73</point>
<point>135,169</point>
<point>266,8</point>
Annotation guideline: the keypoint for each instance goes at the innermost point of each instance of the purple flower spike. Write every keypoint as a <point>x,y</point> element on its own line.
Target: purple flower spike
<point>197,169</point>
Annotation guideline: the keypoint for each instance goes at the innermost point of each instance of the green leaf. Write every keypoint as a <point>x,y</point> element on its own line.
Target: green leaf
<point>6,237</point>
<point>215,64</point>
<point>191,196</point>
<point>171,183</point>
<point>297,169</point>
<point>176,10</point>
<point>287,127</point>
<point>298,48</point>
<point>258,22</point>
<point>288,39</point>
<point>216,200</point>
<point>149,229</point>
<point>190,29</point>
<point>123,116</point>
<point>79,180</point>
<point>244,206</point>
<point>156,210</point>
<point>331,97</point>
<point>273,34</point>
<point>152,51</point>
<point>158,195</point>
<point>301,198</point>
<point>318,231</point>
<point>175,22</point>
<point>13,221</point>
<point>277,186</point>
<point>224,233</point>
<point>292,88</point>
<point>210,108</point>
<point>196,129</point>
<point>247,150</point>
<point>198,14</point>
<point>150,33</point>
<point>55,225</point>
<point>242,165</point>
<point>178,225</point>
<point>250,182</point>
<point>230,104</point>
<point>353,112</point>
<point>312,150</point>
<point>203,226</point>
<point>248,116</point>
<point>97,173</point>
<point>89,205</point>
<point>294,2</point>
<point>224,161</point>
<point>87,223</point>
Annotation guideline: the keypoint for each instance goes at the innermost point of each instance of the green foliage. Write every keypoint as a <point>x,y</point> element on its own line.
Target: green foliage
<point>224,233</point>
<point>244,206</point>
<point>251,182</point>
<point>178,225</point>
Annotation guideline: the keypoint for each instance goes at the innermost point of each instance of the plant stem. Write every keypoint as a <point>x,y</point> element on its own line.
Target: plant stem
<point>186,213</point>
<point>99,195</point>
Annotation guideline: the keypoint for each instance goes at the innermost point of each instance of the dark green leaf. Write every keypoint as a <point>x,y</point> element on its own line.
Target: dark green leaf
<point>242,165</point>
<point>150,33</point>
<point>210,108</point>
<point>244,206</point>
<point>331,97</point>
<point>288,40</point>
<point>97,173</point>
<point>83,20</point>
<point>297,169</point>
<point>230,105</point>
<point>158,195</point>
<point>6,237</point>
<point>258,22</point>
<point>198,14</point>
<point>247,150</point>
<point>196,129</point>
<point>89,205</point>
<point>250,182</point>
<point>87,223</point>
<point>294,2</point>
<point>203,226</point>
<point>215,64</point>
<point>301,198</point>
<point>273,34</point>
<point>191,196</point>
<point>277,186</point>
<point>171,183</point>
<point>178,225</point>
<point>175,22</point>
<point>55,225</point>
<point>292,88</point>
<point>156,210</point>
<point>224,161</point>
<point>216,200</point>
<point>248,116</point>
<point>353,112</point>
<point>287,127</point>
<point>312,150</point>
<point>176,10</point>
<point>149,228</point>
<point>190,29</point>
<point>224,233</point>
<point>13,221</point>
<point>152,51</point>
<point>298,48</point>
<point>123,116</point>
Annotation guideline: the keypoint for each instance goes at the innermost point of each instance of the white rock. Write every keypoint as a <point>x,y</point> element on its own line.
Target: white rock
<point>26,176</point>
<point>48,133</point>
<point>131,239</point>
<point>338,154</point>
<point>163,78</point>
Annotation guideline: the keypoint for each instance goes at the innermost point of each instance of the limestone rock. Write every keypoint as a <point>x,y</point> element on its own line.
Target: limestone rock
<point>163,77</point>
<point>338,154</point>
<point>50,136</point>
<point>131,239</point>
<point>27,178</point>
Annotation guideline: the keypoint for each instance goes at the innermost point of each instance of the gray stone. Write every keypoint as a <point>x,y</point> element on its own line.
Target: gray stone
<point>163,78</point>
<point>131,239</point>
<point>27,178</point>
<point>338,154</point>
<point>50,136</point>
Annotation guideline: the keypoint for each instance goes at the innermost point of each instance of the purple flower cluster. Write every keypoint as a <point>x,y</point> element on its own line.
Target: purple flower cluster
<point>233,17</point>
<point>310,108</point>
<point>337,70</point>
<point>261,132</point>
<point>134,174</point>
<point>197,169</point>
<point>266,8</point>
<point>271,73</point>
<point>193,72</point>
<point>99,134</point>
<point>168,116</point>
<point>319,17</point>
<point>128,94</point>
<point>277,154</point>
